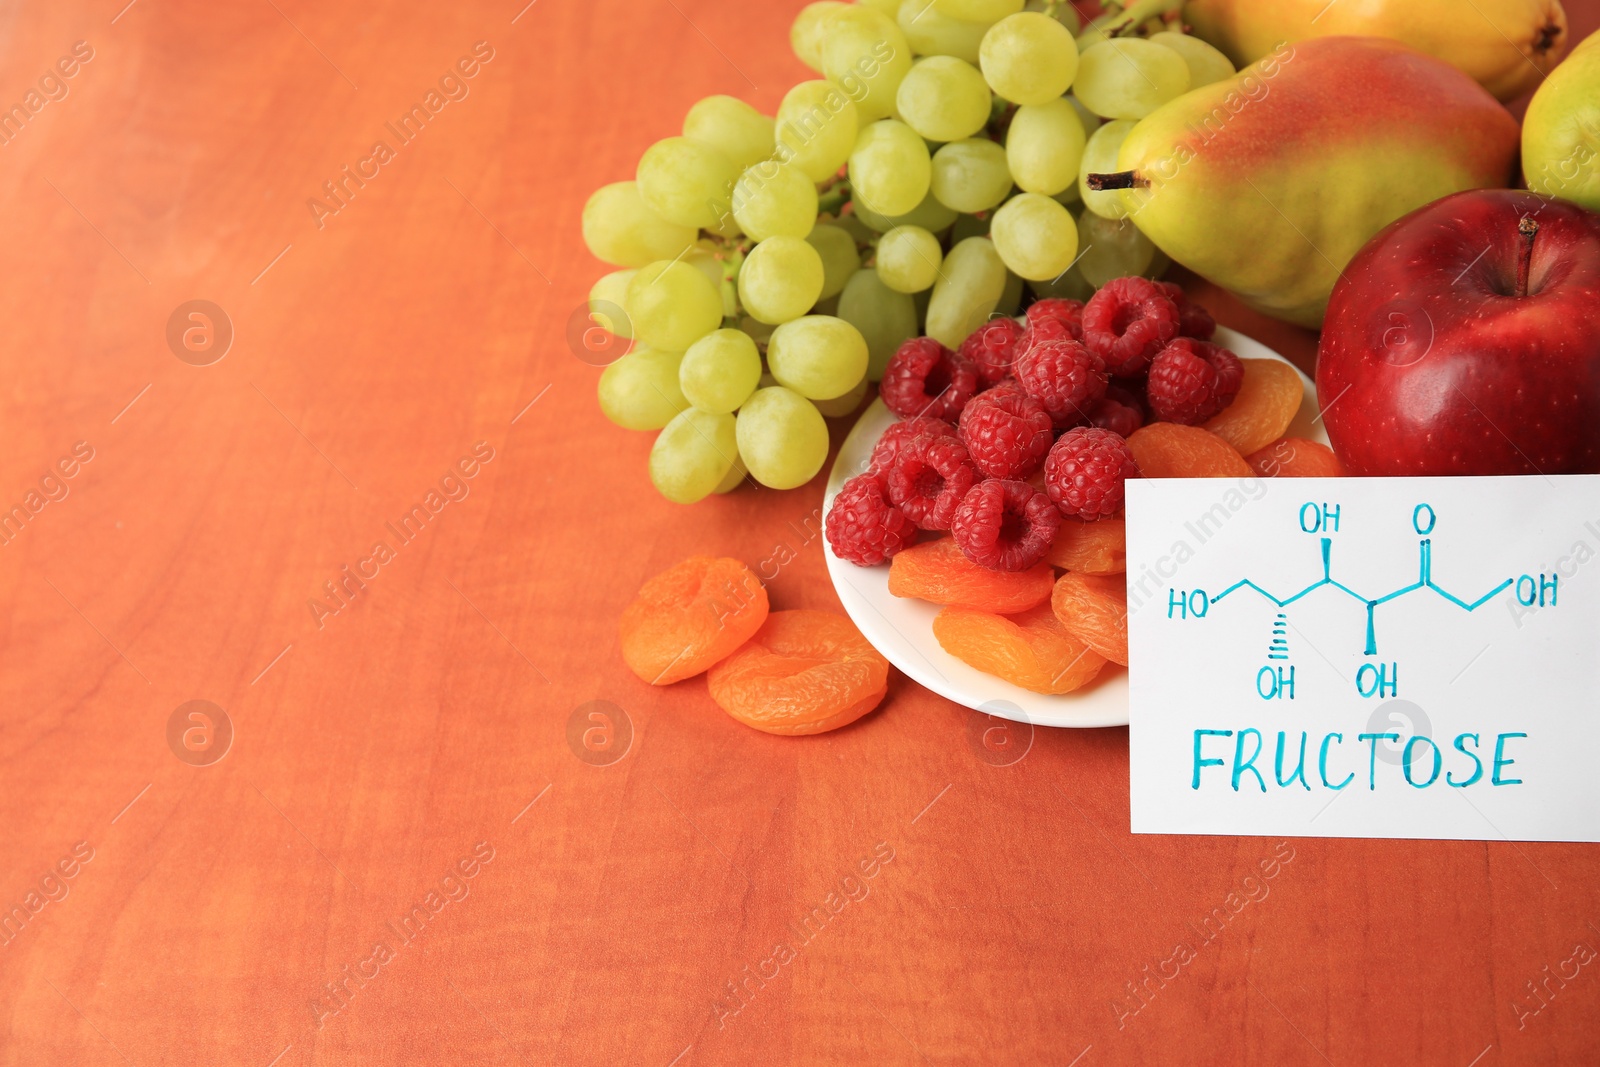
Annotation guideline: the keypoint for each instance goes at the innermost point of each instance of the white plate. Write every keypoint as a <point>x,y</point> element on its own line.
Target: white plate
<point>902,628</point>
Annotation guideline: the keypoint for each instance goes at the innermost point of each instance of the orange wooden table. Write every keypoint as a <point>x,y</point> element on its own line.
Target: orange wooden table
<point>400,859</point>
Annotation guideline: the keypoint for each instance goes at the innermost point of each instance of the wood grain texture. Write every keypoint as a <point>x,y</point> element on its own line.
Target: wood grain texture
<point>251,912</point>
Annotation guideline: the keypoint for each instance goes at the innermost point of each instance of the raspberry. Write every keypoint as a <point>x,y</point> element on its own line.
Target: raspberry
<point>926,378</point>
<point>863,527</point>
<point>1118,412</point>
<point>1044,330</point>
<point>1129,392</point>
<point>991,348</point>
<point>928,477</point>
<point>899,433</point>
<point>1193,320</point>
<point>1006,431</point>
<point>1127,322</point>
<point>1230,372</point>
<point>1066,377</point>
<point>1190,381</point>
<point>1058,309</point>
<point>1005,525</point>
<point>1086,473</point>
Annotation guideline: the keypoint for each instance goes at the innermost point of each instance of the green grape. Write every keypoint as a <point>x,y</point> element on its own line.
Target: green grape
<point>1091,121</point>
<point>759,332</point>
<point>978,10</point>
<point>686,182</point>
<point>970,176</point>
<point>909,258</point>
<point>1069,197</point>
<point>1091,36</point>
<point>888,7</point>
<point>704,259</point>
<point>640,390</point>
<point>620,228</point>
<point>809,29</point>
<point>693,454</point>
<point>735,476</point>
<point>1035,236</point>
<point>1100,157</point>
<point>1112,248</point>
<point>672,305</point>
<point>933,34</point>
<point>1028,58</point>
<point>885,318</point>
<point>840,406</point>
<point>840,259</point>
<point>720,371</point>
<point>944,99</point>
<point>727,226</point>
<point>817,126</point>
<point>732,127</point>
<point>1044,147</point>
<point>771,200</point>
<point>855,225</point>
<point>607,297</point>
<point>781,279</point>
<point>828,305</point>
<point>930,215</point>
<point>1070,285</point>
<point>782,438</point>
<point>969,288</point>
<point>866,55</point>
<point>1206,64</point>
<point>889,168</point>
<point>1061,11</point>
<point>1128,77</point>
<point>819,356</point>
<point>1010,298</point>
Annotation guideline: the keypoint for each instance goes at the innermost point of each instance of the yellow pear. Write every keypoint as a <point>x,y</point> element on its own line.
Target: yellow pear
<point>1561,132</point>
<point>1505,45</point>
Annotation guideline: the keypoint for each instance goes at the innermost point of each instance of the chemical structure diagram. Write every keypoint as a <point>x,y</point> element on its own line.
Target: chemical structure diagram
<point>1372,679</point>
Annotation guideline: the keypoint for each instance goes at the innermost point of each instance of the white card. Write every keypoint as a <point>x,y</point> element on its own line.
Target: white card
<point>1453,621</point>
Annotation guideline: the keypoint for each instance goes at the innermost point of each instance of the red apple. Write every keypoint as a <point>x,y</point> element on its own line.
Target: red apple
<point>1465,339</point>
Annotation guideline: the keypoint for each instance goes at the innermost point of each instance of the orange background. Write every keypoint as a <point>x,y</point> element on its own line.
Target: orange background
<point>383,751</point>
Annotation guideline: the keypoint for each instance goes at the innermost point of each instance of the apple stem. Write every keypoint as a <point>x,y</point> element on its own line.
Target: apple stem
<point>1528,228</point>
<point>1122,179</point>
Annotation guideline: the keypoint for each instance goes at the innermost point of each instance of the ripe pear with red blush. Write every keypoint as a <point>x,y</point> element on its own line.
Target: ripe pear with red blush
<point>1465,339</point>
<point>1267,183</point>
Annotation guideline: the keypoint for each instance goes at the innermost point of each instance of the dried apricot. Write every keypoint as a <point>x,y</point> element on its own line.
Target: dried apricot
<point>1266,405</point>
<point>939,572</point>
<point>1091,547</point>
<point>803,672</point>
<point>1168,450</point>
<point>1032,649</point>
<point>1094,609</point>
<point>689,616</point>
<point>1295,457</point>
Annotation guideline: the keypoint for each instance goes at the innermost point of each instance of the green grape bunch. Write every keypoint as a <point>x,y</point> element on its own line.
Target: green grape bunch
<point>932,175</point>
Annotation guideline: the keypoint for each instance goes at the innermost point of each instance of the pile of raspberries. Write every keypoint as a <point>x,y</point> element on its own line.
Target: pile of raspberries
<point>1060,391</point>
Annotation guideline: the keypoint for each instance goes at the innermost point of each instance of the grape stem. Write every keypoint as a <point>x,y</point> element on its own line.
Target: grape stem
<point>1529,229</point>
<point>1122,179</point>
<point>1132,15</point>
<point>1000,116</point>
<point>833,196</point>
